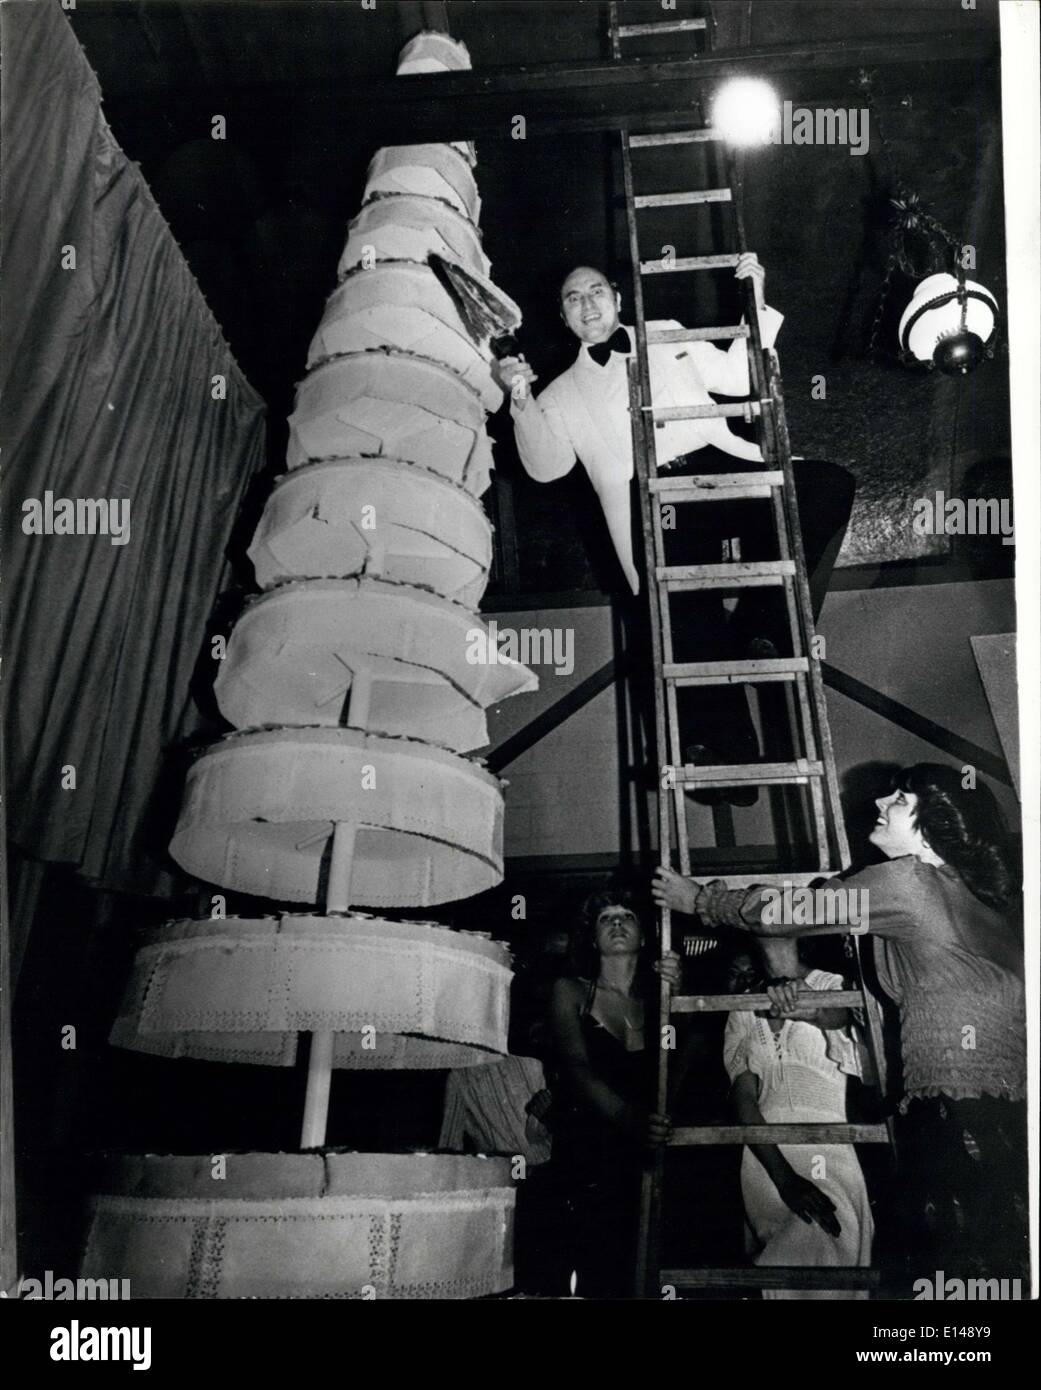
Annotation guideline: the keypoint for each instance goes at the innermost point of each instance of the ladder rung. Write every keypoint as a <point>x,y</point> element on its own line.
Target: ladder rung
<point>779,1134</point>
<point>743,493</point>
<point>675,137</point>
<point>696,335</point>
<point>772,878</point>
<point>687,263</point>
<point>774,1277</point>
<point>714,487</point>
<point>675,200</point>
<point>689,673</point>
<point>666,26</point>
<point>709,482</point>
<point>758,774</point>
<point>749,409</point>
<point>735,574</point>
<point>744,1003</point>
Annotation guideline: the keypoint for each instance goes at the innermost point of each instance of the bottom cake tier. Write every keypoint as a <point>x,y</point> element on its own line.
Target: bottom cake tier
<point>323,1225</point>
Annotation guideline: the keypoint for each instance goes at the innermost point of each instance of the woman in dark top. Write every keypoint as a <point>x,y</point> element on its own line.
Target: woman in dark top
<point>941,913</point>
<point>602,1123</point>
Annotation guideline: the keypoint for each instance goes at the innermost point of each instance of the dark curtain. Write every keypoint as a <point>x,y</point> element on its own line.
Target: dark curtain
<point>107,377</point>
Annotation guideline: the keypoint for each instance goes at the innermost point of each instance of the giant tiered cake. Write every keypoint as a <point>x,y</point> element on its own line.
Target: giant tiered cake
<point>346,784</point>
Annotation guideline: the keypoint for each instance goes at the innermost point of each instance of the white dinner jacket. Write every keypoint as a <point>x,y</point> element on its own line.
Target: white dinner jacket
<point>583,415</point>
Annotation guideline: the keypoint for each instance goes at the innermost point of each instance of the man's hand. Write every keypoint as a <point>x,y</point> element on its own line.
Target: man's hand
<point>516,377</point>
<point>785,1001</point>
<point>540,1105</point>
<point>670,968</point>
<point>748,267</point>
<point>809,1203</point>
<point>670,889</point>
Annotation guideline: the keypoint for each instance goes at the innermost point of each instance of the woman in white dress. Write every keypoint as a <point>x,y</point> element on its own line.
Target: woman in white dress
<point>805,1204</point>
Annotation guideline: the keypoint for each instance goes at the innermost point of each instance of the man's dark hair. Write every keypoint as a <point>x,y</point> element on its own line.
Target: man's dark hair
<point>573,265</point>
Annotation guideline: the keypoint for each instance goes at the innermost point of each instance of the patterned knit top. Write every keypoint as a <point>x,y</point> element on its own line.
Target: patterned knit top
<point>953,967</point>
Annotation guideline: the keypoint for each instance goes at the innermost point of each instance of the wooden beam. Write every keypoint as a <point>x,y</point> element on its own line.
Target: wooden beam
<point>702,72</point>
<point>561,97</point>
<point>578,696</point>
<point>918,724</point>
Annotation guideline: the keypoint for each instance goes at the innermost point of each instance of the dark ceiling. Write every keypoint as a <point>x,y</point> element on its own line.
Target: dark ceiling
<point>305,90</point>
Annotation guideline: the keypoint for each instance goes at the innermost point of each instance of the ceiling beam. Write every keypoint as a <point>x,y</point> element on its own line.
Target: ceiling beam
<point>765,59</point>
<point>614,95</point>
<point>601,95</point>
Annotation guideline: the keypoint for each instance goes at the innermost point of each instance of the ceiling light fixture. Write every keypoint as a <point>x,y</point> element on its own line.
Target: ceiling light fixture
<point>745,111</point>
<point>950,322</point>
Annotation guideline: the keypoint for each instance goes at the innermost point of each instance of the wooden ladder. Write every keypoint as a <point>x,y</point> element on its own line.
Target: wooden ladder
<point>813,767</point>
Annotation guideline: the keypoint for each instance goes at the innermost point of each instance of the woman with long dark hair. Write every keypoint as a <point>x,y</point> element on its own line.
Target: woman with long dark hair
<point>602,1122</point>
<point>943,912</point>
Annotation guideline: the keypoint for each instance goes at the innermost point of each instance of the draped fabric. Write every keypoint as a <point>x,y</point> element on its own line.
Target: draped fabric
<point>112,388</point>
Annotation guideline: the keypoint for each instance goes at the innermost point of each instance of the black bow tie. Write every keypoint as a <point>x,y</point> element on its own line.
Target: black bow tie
<point>618,342</point>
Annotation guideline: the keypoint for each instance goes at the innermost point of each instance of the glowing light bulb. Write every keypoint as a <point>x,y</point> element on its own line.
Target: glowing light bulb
<point>745,111</point>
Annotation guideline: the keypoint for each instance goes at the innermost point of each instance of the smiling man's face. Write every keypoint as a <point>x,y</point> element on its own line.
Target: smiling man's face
<point>589,305</point>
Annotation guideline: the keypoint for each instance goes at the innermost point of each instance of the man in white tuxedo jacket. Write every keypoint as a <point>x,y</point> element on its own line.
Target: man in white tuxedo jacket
<point>584,413</point>
<point>583,416</point>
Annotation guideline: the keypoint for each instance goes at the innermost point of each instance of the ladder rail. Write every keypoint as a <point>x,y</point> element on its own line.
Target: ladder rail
<point>807,716</point>
<point>645,464</point>
<point>648,1240</point>
<point>772,428</point>
<point>802,588</point>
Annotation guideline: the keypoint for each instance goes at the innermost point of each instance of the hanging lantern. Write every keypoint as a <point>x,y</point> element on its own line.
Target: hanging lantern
<point>949,324</point>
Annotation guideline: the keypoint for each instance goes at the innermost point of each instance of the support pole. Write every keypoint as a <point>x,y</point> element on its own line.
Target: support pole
<point>357,718</point>
<point>316,1101</point>
<point>337,892</point>
<point>320,1063</point>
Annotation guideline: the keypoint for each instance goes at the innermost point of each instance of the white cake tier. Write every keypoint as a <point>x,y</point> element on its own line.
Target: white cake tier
<point>390,403</point>
<point>260,808</point>
<point>295,652</point>
<point>397,995</point>
<point>384,516</point>
<point>403,306</point>
<point>404,227</point>
<point>432,171</point>
<point>433,51</point>
<point>314,1225</point>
